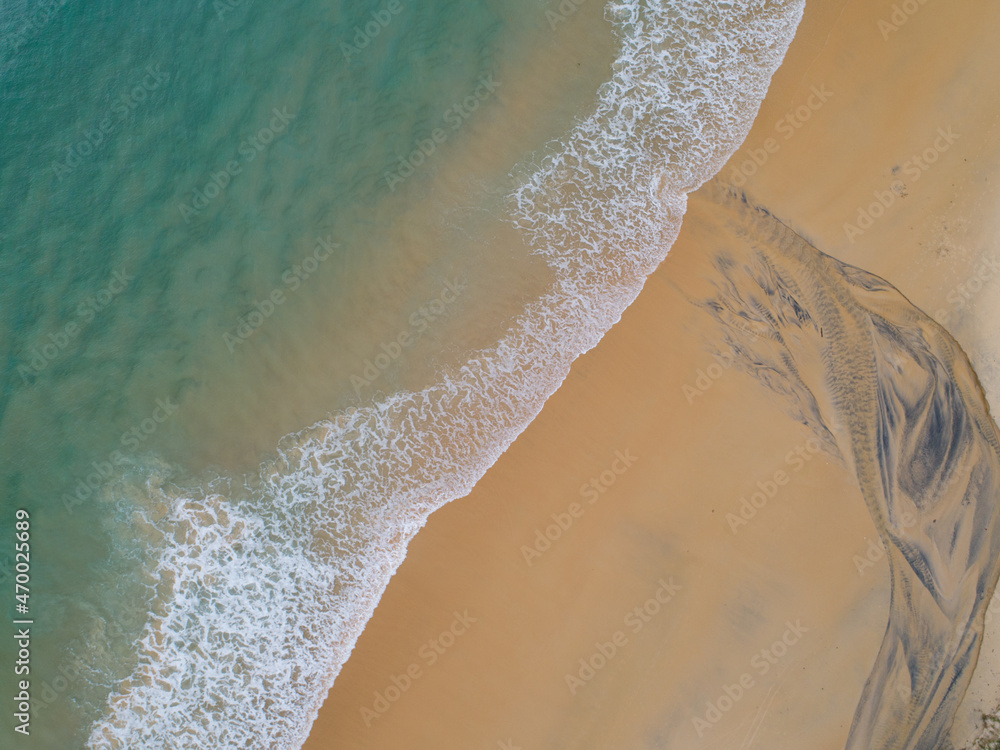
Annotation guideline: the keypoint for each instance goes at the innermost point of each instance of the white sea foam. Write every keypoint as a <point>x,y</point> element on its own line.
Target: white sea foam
<point>261,600</point>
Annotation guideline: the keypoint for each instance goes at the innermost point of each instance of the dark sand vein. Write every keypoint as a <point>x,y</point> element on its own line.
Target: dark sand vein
<point>869,372</point>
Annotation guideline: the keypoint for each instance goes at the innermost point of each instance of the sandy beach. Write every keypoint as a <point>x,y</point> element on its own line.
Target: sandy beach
<point>670,556</point>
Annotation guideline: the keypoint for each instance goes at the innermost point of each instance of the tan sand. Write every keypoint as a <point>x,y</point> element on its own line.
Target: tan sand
<point>663,518</point>
<point>704,436</point>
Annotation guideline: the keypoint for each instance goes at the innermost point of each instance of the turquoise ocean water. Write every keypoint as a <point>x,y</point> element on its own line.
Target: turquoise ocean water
<point>276,281</point>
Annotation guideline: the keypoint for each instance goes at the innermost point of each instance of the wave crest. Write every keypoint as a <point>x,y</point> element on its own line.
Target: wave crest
<point>265,597</point>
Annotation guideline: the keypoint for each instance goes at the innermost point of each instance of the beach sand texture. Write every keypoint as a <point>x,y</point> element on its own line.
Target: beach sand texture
<point>697,542</point>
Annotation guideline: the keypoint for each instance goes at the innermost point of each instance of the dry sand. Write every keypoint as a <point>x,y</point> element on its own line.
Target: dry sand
<point>703,436</point>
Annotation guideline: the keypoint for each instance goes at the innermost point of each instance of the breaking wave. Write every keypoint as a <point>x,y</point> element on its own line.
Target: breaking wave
<point>260,594</point>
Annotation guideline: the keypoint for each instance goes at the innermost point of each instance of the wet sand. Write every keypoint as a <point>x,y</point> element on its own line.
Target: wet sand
<point>680,551</point>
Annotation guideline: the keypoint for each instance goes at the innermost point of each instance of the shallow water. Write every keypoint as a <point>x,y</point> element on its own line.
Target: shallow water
<point>221,226</point>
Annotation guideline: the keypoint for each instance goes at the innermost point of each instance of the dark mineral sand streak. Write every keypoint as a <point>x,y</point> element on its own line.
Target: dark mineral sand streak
<point>863,366</point>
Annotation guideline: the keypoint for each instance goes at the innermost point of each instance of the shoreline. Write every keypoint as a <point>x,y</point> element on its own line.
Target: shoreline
<point>347,494</point>
<point>666,516</point>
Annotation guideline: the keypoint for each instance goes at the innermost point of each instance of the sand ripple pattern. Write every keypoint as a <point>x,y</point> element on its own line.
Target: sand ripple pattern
<point>857,362</point>
<point>260,601</point>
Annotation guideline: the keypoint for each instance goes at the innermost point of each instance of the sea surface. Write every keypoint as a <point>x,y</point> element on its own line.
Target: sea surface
<point>277,280</point>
